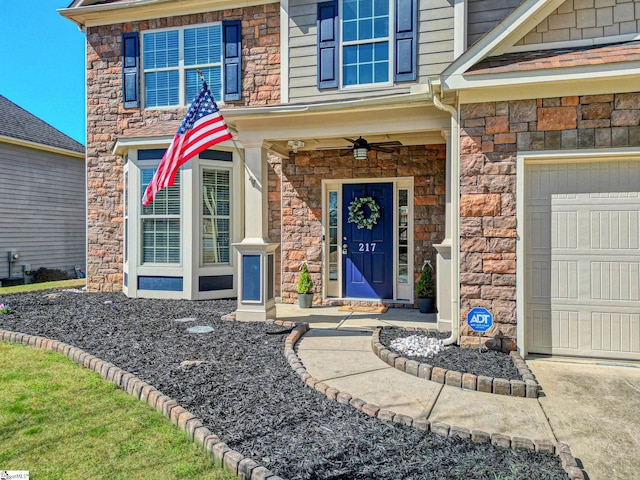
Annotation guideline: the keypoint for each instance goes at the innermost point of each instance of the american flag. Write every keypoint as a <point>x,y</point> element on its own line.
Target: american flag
<point>202,127</point>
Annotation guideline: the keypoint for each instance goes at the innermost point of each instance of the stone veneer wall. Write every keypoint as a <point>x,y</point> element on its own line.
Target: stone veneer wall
<point>491,136</point>
<point>107,119</point>
<point>302,176</point>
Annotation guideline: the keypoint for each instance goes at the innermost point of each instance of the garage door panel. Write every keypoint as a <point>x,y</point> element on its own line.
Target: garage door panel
<point>565,327</point>
<point>615,332</point>
<point>564,280</point>
<point>618,281</point>
<point>583,259</point>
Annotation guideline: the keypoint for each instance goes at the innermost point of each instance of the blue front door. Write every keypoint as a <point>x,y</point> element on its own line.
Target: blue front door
<point>368,261</point>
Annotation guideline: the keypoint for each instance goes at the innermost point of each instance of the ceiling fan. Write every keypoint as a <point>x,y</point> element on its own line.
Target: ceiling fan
<point>360,143</point>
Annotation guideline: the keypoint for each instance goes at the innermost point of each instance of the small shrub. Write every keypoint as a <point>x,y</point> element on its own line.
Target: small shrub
<point>305,284</point>
<point>424,286</point>
<point>44,274</point>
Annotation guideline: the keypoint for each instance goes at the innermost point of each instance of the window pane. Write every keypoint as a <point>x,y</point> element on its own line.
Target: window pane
<point>381,27</point>
<point>162,88</point>
<point>203,45</point>
<point>166,201</point>
<point>349,31</point>
<point>160,240</point>
<point>381,73</point>
<point>212,75</point>
<point>215,241</point>
<point>365,8</point>
<point>365,29</point>
<point>216,216</point>
<point>349,9</point>
<point>381,51</point>
<point>161,50</point>
<point>350,75</point>
<point>365,73</point>
<point>365,53</point>
<point>381,8</point>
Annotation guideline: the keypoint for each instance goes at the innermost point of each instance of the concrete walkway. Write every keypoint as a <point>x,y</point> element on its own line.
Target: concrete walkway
<point>592,406</point>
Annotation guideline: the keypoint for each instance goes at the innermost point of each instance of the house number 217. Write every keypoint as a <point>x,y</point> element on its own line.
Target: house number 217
<point>366,247</point>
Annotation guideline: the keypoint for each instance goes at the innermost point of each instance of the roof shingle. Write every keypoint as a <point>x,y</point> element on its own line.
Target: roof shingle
<point>558,58</point>
<point>16,122</point>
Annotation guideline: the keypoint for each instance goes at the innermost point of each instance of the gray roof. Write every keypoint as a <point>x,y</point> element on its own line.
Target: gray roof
<point>16,122</point>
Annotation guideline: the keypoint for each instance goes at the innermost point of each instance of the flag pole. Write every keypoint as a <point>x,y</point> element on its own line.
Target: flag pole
<point>252,179</point>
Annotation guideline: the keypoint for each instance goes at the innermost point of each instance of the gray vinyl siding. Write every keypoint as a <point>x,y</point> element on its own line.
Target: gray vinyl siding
<point>483,15</point>
<point>435,52</point>
<point>42,209</point>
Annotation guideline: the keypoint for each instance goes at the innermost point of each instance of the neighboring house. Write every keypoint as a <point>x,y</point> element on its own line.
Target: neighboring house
<point>503,146</point>
<point>42,199</point>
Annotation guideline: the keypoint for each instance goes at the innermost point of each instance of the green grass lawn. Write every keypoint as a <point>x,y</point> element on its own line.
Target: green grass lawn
<point>61,421</point>
<point>75,283</point>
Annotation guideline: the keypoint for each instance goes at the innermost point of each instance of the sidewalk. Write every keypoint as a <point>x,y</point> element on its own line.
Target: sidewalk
<point>592,405</point>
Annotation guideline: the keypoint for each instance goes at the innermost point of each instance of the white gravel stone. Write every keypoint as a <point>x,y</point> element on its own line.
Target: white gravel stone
<point>418,346</point>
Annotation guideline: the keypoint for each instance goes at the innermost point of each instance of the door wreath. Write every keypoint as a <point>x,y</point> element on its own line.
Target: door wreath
<point>357,214</point>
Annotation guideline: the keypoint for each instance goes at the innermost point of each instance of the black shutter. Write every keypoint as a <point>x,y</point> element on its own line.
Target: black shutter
<point>130,70</point>
<point>327,27</point>
<point>406,32</point>
<point>232,50</point>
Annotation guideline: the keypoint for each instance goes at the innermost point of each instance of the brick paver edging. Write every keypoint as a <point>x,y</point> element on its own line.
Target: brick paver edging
<point>562,450</point>
<point>528,387</point>
<point>221,454</point>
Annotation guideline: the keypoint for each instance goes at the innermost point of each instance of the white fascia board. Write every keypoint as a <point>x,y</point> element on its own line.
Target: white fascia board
<point>583,80</point>
<point>522,20</point>
<point>123,145</point>
<point>587,42</point>
<point>40,146</point>
<point>107,14</point>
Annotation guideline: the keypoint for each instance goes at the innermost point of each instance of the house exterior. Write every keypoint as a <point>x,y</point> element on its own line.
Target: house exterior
<point>501,145</point>
<point>42,200</point>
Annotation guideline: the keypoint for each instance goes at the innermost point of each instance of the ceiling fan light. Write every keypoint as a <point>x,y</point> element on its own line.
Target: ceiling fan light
<point>360,153</point>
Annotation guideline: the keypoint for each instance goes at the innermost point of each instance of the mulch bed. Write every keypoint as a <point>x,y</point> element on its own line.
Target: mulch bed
<point>465,360</point>
<point>245,391</point>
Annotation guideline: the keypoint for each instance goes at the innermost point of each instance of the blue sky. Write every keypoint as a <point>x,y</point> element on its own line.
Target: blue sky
<point>42,58</point>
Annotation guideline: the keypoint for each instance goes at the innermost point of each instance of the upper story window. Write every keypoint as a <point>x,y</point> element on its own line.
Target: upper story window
<point>170,59</point>
<point>366,42</point>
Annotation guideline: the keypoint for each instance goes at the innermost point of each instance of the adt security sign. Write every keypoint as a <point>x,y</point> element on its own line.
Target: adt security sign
<point>480,319</point>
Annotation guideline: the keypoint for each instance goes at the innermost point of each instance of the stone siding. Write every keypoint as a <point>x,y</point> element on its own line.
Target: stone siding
<point>107,119</point>
<point>491,136</point>
<point>302,176</point>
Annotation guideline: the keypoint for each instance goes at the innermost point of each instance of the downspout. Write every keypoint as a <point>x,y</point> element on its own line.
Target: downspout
<point>455,154</point>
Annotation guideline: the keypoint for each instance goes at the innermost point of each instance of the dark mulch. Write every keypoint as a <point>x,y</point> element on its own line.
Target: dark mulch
<point>465,360</point>
<point>245,392</point>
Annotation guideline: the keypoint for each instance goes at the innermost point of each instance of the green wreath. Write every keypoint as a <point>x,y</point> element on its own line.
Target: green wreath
<point>357,214</point>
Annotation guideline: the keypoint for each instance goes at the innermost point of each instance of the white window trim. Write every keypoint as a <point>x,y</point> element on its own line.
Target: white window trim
<point>389,39</point>
<point>399,183</point>
<point>216,165</point>
<point>147,165</point>
<point>182,68</point>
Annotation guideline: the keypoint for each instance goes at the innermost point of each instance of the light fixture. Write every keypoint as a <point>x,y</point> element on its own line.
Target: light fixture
<point>295,145</point>
<point>361,149</point>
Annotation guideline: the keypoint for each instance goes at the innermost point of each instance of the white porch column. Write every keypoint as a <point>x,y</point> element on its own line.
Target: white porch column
<point>444,265</point>
<point>256,258</point>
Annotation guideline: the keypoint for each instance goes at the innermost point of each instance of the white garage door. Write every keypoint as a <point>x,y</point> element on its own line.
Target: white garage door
<point>583,259</point>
